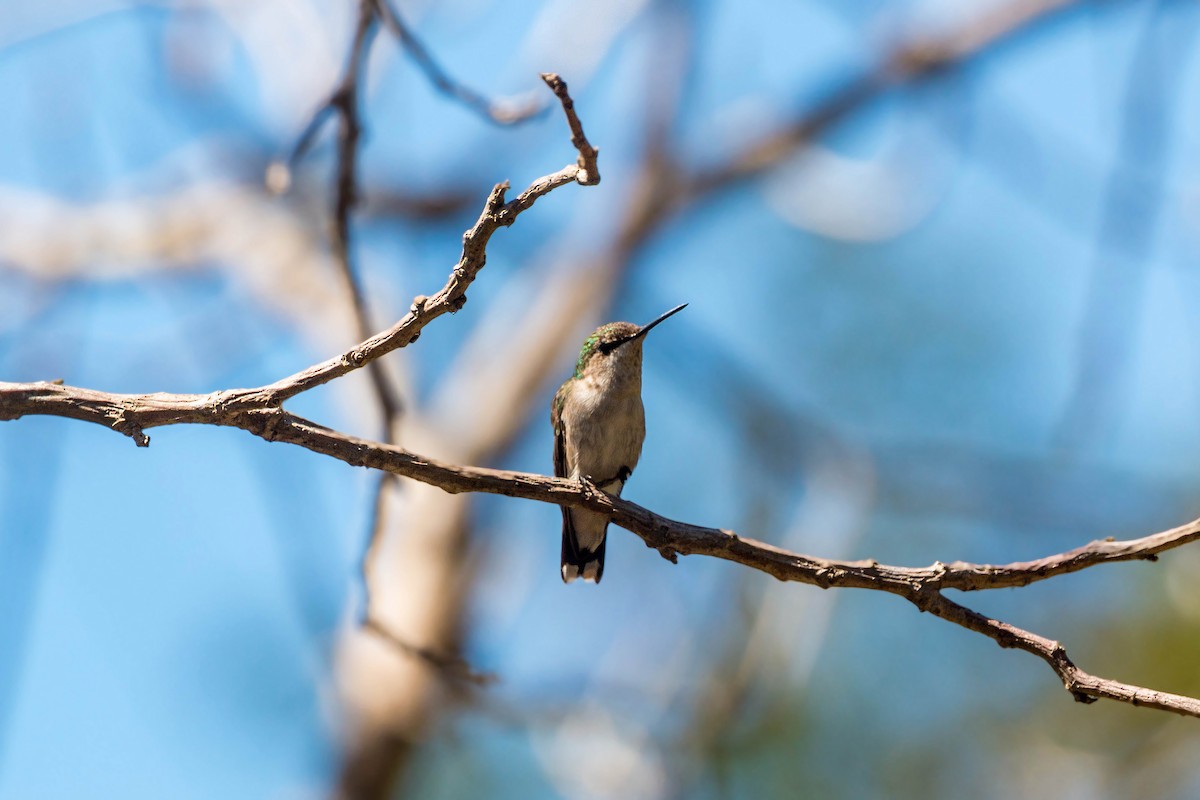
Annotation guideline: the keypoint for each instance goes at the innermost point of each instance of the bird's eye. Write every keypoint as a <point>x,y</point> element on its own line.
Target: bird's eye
<point>608,347</point>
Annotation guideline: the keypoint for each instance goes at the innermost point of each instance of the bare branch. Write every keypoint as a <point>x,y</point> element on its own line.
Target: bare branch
<point>1083,686</point>
<point>921,586</point>
<point>589,172</point>
<point>972,577</point>
<point>131,414</point>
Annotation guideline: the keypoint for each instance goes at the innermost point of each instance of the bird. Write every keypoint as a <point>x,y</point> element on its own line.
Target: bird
<point>599,426</point>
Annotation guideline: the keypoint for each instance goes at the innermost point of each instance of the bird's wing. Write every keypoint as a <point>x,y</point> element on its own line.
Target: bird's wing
<point>560,439</point>
<point>571,559</point>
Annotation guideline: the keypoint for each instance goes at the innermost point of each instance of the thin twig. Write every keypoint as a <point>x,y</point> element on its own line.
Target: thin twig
<point>1083,686</point>
<point>589,173</point>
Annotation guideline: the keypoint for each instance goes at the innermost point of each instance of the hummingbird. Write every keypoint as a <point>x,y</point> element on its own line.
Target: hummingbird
<point>599,425</point>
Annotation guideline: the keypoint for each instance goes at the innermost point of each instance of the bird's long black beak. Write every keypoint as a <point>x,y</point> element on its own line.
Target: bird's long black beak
<point>648,326</point>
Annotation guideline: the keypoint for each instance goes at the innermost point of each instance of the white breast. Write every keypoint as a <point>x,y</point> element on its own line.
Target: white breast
<point>604,431</point>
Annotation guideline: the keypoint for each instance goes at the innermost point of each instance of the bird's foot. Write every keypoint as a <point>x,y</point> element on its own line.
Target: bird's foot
<point>589,483</point>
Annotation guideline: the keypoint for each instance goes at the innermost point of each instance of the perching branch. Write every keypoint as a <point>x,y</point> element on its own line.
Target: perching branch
<point>668,536</point>
<point>922,586</point>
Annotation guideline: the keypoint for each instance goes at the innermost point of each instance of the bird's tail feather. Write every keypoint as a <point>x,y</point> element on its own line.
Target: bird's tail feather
<point>578,561</point>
